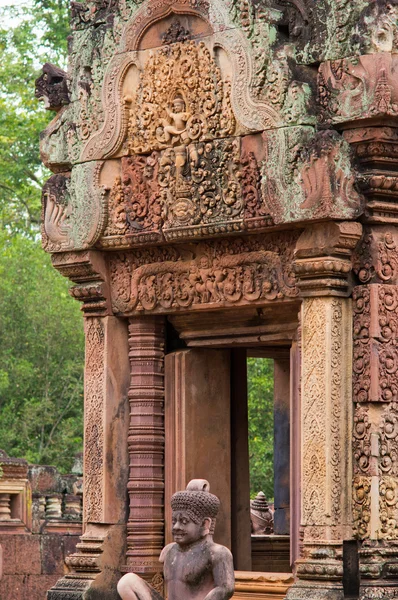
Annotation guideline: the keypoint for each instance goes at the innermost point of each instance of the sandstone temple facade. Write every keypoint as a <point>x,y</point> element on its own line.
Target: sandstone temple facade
<point>226,184</point>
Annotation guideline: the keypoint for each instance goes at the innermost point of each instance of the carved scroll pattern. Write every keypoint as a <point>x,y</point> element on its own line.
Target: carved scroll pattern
<point>93,420</point>
<point>375,380</point>
<point>145,526</point>
<point>324,424</point>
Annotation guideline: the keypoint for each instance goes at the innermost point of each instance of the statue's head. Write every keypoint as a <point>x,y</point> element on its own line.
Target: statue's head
<point>178,104</point>
<point>194,512</point>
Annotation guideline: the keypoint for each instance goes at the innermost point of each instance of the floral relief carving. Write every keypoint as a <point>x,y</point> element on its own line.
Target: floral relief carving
<point>93,420</point>
<point>181,98</point>
<point>314,425</point>
<point>361,441</point>
<point>388,492</point>
<point>361,506</point>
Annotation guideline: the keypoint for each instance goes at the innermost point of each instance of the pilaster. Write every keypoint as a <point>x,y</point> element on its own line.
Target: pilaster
<point>375,386</point>
<point>95,567</point>
<point>323,266</point>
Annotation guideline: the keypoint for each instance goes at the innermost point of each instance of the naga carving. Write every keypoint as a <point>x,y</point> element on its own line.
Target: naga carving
<point>52,87</point>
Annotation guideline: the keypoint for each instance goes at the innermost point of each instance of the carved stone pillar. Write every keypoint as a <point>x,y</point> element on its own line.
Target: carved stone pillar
<point>145,526</point>
<point>375,384</point>
<point>323,265</point>
<point>95,568</point>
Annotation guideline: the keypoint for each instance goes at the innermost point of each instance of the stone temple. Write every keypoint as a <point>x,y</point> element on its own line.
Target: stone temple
<point>225,185</point>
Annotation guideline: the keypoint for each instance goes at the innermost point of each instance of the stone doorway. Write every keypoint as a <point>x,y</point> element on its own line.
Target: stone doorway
<point>206,424</point>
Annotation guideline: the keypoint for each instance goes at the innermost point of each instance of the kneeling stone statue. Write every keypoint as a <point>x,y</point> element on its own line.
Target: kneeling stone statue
<point>194,567</point>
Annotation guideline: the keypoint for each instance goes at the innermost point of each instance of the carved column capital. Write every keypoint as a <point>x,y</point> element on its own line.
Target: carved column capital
<point>88,271</point>
<point>323,258</point>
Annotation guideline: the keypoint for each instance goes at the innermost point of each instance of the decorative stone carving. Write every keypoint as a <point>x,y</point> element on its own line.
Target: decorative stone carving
<point>181,99</point>
<point>88,270</point>
<point>193,564</point>
<point>227,273</point>
<point>73,209</point>
<point>375,369</point>
<point>326,421</point>
<point>261,516</point>
<point>323,258</point>
<point>307,176</point>
<point>52,87</point>
<point>360,88</point>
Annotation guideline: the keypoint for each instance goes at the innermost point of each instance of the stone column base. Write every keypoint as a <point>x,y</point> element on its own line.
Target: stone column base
<point>315,591</point>
<point>95,567</point>
<point>379,570</point>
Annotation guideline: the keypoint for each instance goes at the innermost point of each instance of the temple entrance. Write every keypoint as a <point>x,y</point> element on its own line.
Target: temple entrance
<point>207,433</point>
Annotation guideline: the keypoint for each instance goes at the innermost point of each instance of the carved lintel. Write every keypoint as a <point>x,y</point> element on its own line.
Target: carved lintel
<point>88,271</point>
<point>323,258</point>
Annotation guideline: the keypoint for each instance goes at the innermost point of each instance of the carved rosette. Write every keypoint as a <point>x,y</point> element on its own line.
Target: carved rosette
<point>145,525</point>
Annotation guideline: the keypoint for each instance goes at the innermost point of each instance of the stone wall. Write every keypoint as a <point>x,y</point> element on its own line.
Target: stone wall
<point>40,524</point>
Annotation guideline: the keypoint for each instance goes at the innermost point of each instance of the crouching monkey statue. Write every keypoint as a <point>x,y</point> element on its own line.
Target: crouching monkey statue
<point>194,567</point>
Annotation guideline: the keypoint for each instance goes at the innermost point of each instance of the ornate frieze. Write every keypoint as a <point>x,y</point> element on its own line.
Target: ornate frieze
<point>227,273</point>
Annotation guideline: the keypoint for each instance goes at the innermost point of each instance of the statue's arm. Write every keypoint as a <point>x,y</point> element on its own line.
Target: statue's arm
<point>223,575</point>
<point>165,552</point>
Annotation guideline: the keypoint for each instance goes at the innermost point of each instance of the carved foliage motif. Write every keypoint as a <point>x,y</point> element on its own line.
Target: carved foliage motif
<point>376,258</point>
<point>375,366</point>
<point>181,98</point>
<point>229,273</point>
<point>94,427</point>
<point>208,187</point>
<point>314,425</point>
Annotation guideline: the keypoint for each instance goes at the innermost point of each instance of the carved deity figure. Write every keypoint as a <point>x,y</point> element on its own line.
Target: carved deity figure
<point>178,120</point>
<point>174,130</point>
<point>194,567</point>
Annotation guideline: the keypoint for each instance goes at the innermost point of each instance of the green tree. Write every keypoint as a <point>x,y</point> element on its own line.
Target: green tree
<point>260,376</point>
<point>41,357</point>
<point>30,35</point>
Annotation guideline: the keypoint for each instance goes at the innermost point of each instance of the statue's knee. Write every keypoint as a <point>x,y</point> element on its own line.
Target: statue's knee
<point>127,585</point>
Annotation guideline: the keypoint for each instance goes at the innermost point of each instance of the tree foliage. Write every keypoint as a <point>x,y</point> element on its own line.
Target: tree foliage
<point>41,357</point>
<point>29,36</point>
<point>41,330</point>
<point>260,376</point>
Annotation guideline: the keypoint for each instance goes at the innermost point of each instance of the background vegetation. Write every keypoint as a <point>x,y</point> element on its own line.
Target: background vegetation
<point>41,330</point>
